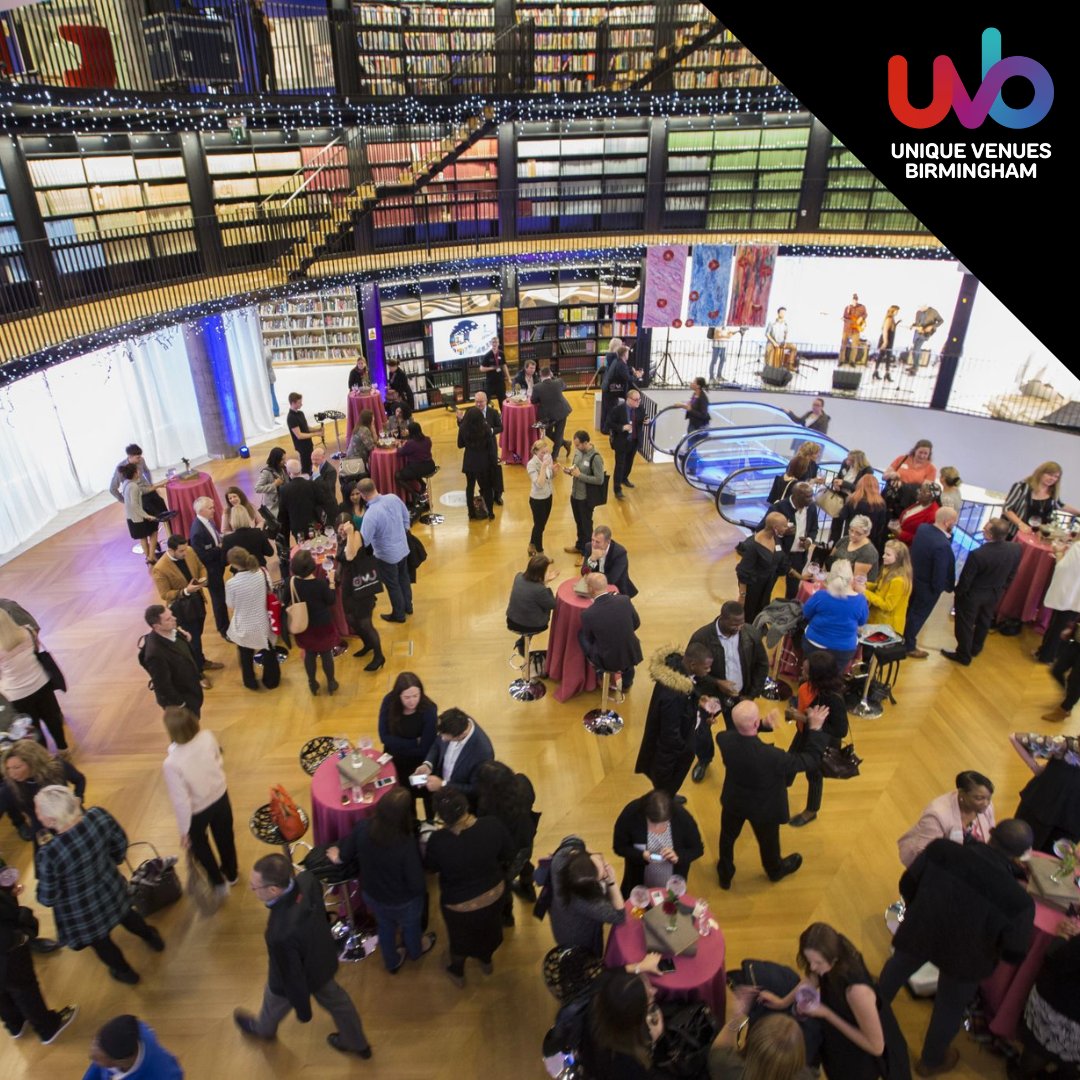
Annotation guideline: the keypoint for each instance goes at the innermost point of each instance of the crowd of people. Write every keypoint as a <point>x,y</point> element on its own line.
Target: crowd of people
<point>851,552</point>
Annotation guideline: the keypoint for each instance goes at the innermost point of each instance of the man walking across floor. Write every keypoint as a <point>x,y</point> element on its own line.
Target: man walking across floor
<point>755,788</point>
<point>587,470</point>
<point>553,410</point>
<point>170,662</point>
<point>303,959</point>
<point>988,572</point>
<point>624,424</point>
<point>966,911</point>
<point>206,543</point>
<point>385,528</point>
<point>933,571</point>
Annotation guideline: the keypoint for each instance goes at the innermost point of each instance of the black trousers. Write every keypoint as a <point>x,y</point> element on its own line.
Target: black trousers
<point>704,747</point>
<point>672,779</point>
<point>1051,642</point>
<point>485,482</point>
<point>768,839</point>
<point>218,819</point>
<point>583,514</point>
<point>194,627</point>
<point>974,614</point>
<point>303,451</point>
<point>541,511</point>
<point>922,603</point>
<point>556,432</point>
<point>624,462</point>
<point>1067,672</point>
<point>215,586</point>
<point>21,1003</point>
<point>271,675</point>
<point>758,594</point>
<point>108,951</point>
<point>43,708</point>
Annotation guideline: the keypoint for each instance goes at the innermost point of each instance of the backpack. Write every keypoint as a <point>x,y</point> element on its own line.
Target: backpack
<point>285,814</point>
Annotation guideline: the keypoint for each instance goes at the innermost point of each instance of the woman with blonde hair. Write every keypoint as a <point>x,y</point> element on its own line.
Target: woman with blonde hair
<point>951,495</point>
<point>889,595</point>
<point>834,615</point>
<point>195,780</point>
<point>29,767</point>
<point>24,682</point>
<point>541,470</point>
<point>775,1049</point>
<point>864,498</point>
<point>243,533</point>
<point>1032,502</point>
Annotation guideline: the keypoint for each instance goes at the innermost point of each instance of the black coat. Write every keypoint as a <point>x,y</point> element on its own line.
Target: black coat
<point>303,955</point>
<point>173,672</point>
<point>756,774</point>
<point>667,742</point>
<point>209,553</point>
<point>618,418</point>
<point>616,569</point>
<point>631,828</point>
<point>607,633</point>
<point>752,655</point>
<point>17,926</point>
<point>479,459</point>
<point>401,385</point>
<point>787,508</point>
<point>988,571</point>
<point>252,540</point>
<point>326,483</point>
<point>298,504</point>
<point>965,910</point>
<point>551,404</point>
<point>1050,803</point>
<point>473,754</point>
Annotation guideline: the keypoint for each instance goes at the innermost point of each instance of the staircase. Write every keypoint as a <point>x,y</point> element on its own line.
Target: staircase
<point>688,39</point>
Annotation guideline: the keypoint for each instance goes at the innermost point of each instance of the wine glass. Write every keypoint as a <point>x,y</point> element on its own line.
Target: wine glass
<point>639,900</point>
<point>676,885</point>
<point>365,742</point>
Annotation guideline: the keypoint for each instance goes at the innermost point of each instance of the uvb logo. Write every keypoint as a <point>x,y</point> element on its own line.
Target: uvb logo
<point>950,92</point>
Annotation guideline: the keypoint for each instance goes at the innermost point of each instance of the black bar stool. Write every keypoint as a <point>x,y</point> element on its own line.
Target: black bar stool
<point>605,720</point>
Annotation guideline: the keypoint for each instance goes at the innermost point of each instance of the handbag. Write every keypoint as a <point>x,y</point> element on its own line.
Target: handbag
<point>832,502</point>
<point>683,1049</point>
<point>273,607</point>
<point>350,468</point>
<point>205,897</point>
<point>365,575</point>
<point>298,611</point>
<point>154,883</point>
<point>52,669</point>
<point>285,814</point>
<point>840,762</point>
<point>597,494</point>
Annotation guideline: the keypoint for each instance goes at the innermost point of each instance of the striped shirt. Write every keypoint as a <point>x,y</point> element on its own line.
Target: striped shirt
<point>245,593</point>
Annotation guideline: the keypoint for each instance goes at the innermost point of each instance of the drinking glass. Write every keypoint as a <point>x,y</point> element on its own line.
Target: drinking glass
<point>639,901</point>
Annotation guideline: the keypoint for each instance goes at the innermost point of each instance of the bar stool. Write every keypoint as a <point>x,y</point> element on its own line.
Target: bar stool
<point>525,688</point>
<point>868,708</point>
<point>263,828</point>
<point>604,721</point>
<point>425,502</point>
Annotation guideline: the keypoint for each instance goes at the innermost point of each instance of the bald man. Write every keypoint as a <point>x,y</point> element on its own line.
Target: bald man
<point>607,634</point>
<point>933,571</point>
<point>756,778</point>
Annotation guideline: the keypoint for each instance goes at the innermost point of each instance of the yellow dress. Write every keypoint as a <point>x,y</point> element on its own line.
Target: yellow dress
<point>889,602</point>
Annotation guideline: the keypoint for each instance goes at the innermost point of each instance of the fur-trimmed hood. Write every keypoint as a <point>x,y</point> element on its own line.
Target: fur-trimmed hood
<point>665,668</point>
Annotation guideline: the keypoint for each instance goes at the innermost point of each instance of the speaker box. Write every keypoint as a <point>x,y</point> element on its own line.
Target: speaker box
<point>775,376</point>
<point>844,379</point>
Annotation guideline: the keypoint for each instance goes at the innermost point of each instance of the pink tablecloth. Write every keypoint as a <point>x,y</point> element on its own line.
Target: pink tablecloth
<point>566,662</point>
<point>356,404</point>
<point>1023,599</point>
<point>1006,991</point>
<point>181,496</point>
<point>330,819</point>
<point>382,465</point>
<point>518,433</point>
<point>699,978</point>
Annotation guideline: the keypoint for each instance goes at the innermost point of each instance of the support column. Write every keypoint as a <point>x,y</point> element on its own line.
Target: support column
<point>953,347</point>
<point>215,389</point>
<point>815,173</point>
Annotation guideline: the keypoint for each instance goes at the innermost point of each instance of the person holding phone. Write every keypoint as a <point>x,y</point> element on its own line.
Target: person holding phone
<point>320,637</point>
<point>657,838</point>
<point>587,470</point>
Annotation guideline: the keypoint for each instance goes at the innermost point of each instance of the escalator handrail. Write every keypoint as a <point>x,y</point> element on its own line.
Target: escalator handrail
<point>683,450</point>
<point>717,405</point>
<point>767,470</point>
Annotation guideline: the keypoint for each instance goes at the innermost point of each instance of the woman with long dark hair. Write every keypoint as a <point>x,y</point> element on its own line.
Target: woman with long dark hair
<point>386,850</point>
<point>28,767</point>
<point>697,408</point>
<point>478,462</point>
<point>407,722</point>
<point>271,477</point>
<point>320,637</point>
<point>416,462</point>
<point>360,586</point>
<point>509,796</point>
<point>623,1025</point>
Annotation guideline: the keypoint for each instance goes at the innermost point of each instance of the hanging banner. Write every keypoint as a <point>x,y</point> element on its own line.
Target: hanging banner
<point>750,289</point>
<point>665,275</point>
<point>710,277</point>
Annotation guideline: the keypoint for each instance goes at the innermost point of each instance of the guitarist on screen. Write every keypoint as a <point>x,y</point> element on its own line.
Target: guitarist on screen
<point>927,320</point>
<point>854,325</point>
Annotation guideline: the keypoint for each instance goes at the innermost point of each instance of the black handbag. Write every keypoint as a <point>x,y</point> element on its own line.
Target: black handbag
<point>683,1049</point>
<point>840,762</point>
<point>597,494</point>
<point>52,669</point>
<point>154,883</point>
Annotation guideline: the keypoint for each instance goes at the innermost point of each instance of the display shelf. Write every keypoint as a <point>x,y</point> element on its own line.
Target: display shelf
<point>323,325</point>
<point>15,282</point>
<point>723,62</point>
<point>856,201</point>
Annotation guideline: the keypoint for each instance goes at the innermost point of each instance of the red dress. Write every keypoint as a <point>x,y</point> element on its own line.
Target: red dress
<point>913,517</point>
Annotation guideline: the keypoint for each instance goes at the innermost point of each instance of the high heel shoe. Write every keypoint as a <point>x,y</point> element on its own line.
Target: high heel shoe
<point>331,687</point>
<point>376,663</point>
<point>313,686</point>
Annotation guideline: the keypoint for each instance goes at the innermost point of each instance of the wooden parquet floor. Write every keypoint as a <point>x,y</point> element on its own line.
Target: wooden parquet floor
<point>88,591</point>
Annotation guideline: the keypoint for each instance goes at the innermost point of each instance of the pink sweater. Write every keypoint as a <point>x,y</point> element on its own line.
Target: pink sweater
<point>21,672</point>
<point>938,820</point>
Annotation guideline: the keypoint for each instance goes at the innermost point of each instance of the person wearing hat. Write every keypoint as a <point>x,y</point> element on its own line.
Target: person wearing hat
<point>21,1002</point>
<point>127,1047</point>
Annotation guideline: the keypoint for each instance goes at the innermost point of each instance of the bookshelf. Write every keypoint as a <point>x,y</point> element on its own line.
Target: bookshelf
<point>723,62</point>
<point>735,177</point>
<point>856,201</point>
<point>12,260</point>
<point>321,326</point>
<point>581,177</point>
<point>118,203</point>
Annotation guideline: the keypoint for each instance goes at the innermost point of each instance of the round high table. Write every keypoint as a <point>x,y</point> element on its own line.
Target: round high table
<point>699,978</point>
<point>181,496</point>
<point>331,819</point>
<point>1023,598</point>
<point>382,466</point>
<point>518,433</point>
<point>356,404</point>
<point>566,659</point>
<point>341,624</point>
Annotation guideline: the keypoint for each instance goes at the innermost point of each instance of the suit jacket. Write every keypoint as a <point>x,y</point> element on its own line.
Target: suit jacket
<point>787,508</point>
<point>303,955</point>
<point>298,501</point>
<point>933,564</point>
<point>252,540</point>
<point>551,404</point>
<point>631,828</point>
<point>473,754</point>
<point>207,552</point>
<point>965,910</point>
<point>756,774</point>
<point>616,569</point>
<point>494,420</point>
<point>989,571</point>
<point>752,656</point>
<point>607,633</point>
<point>173,672</point>
<point>618,418</point>
<point>168,578</point>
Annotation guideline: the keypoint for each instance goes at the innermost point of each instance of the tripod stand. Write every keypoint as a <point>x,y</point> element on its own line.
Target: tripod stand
<point>666,368</point>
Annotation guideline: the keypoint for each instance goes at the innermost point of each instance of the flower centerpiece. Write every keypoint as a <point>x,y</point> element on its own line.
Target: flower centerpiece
<point>676,888</point>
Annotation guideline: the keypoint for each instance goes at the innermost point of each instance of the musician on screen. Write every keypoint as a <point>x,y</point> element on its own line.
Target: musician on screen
<point>776,334</point>
<point>886,341</point>
<point>854,325</point>
<point>927,320</point>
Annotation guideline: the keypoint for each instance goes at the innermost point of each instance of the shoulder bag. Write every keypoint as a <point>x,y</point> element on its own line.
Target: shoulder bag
<point>273,606</point>
<point>52,669</point>
<point>840,762</point>
<point>597,494</point>
<point>832,502</point>
<point>298,611</point>
<point>154,882</point>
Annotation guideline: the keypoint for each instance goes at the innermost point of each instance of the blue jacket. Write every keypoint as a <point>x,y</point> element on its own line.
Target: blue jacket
<point>157,1063</point>
<point>933,564</point>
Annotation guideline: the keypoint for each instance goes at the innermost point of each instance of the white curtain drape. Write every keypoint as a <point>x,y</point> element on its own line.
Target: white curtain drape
<point>243,334</point>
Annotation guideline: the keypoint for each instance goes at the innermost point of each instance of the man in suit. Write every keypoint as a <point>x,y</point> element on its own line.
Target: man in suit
<point>553,409</point>
<point>206,543</point>
<point>618,379</point>
<point>298,501</point>
<point>494,421</point>
<point>624,423</point>
<point>610,559</point>
<point>496,373</point>
<point>303,959</point>
<point>755,787</point>
<point>179,578</point>
<point>800,510</point>
<point>669,738</point>
<point>456,755</point>
<point>607,632</point>
<point>740,666</point>
<point>170,662</point>
<point>325,478</point>
<point>987,573</point>
<point>933,571</point>
<point>966,912</point>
